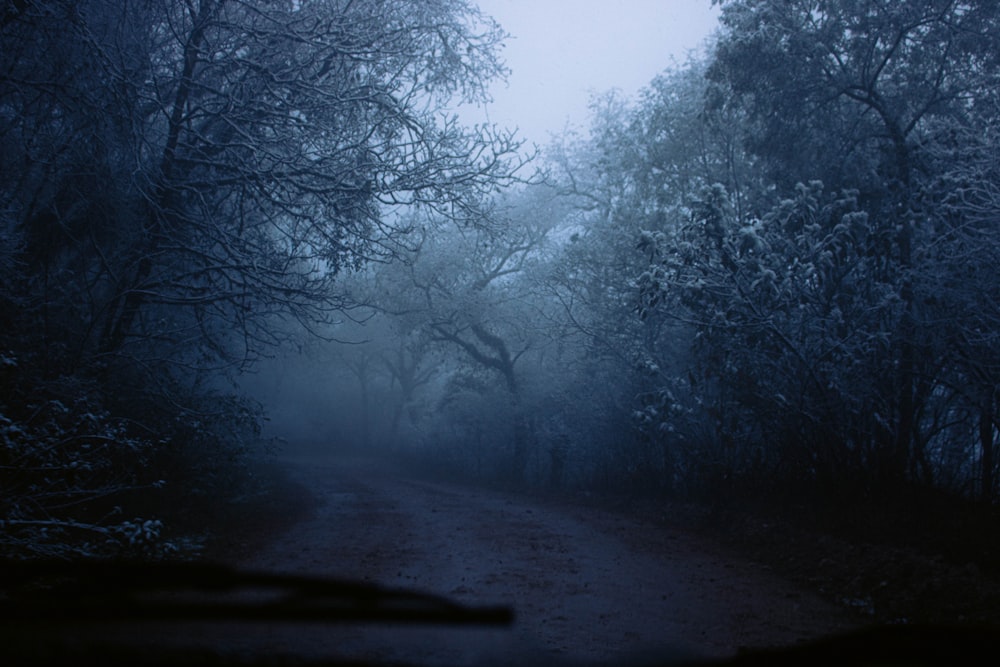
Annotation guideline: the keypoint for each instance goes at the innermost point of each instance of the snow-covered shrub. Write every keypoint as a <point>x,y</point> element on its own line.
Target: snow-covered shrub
<point>67,469</point>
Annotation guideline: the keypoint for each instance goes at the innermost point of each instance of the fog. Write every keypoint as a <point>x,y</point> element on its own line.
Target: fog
<point>513,303</point>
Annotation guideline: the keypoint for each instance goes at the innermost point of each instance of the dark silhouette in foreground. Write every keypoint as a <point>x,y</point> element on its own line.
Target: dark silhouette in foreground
<point>44,598</point>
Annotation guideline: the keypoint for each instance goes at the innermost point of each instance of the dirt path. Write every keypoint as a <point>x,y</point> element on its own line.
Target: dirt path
<point>586,585</point>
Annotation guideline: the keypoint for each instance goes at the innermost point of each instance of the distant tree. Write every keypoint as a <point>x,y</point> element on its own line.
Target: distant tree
<point>638,174</point>
<point>468,291</point>
<point>391,358</point>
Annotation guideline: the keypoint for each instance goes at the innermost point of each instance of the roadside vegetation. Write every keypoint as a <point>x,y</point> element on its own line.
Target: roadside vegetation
<point>766,287</point>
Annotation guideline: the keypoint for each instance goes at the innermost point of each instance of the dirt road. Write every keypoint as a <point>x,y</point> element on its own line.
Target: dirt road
<point>586,585</point>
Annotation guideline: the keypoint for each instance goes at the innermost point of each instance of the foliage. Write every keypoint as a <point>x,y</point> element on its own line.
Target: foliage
<point>787,250</point>
<point>790,325</point>
<point>839,90</point>
<point>182,185</point>
<point>773,270</point>
<point>65,465</point>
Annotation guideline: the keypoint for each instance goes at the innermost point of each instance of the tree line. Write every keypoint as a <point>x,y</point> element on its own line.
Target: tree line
<point>774,270</point>
<point>181,182</point>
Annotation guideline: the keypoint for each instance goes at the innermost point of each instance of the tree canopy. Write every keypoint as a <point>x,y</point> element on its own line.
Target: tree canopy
<point>182,182</point>
<point>772,272</point>
<point>199,168</point>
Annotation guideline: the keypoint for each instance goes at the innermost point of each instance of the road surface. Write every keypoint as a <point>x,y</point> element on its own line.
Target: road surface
<point>587,586</point>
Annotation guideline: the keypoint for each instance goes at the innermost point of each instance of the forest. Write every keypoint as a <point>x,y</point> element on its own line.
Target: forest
<point>771,276</point>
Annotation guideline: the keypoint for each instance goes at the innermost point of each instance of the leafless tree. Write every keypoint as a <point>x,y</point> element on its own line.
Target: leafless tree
<point>186,172</point>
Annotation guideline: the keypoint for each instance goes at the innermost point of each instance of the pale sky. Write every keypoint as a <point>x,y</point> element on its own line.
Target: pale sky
<point>561,51</point>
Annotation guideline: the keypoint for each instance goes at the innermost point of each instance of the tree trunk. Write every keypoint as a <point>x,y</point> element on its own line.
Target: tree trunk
<point>498,358</point>
<point>125,308</point>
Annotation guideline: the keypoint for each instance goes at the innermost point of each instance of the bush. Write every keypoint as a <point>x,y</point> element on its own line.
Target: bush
<point>83,474</point>
<point>65,463</point>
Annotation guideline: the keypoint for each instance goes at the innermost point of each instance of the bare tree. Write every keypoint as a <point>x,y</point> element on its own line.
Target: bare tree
<point>467,290</point>
<point>182,184</point>
<point>197,169</point>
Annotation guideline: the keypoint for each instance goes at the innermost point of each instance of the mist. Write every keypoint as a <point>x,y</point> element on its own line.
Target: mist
<point>695,352</point>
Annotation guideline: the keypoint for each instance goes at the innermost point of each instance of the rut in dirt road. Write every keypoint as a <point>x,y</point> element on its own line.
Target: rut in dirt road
<point>585,585</point>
